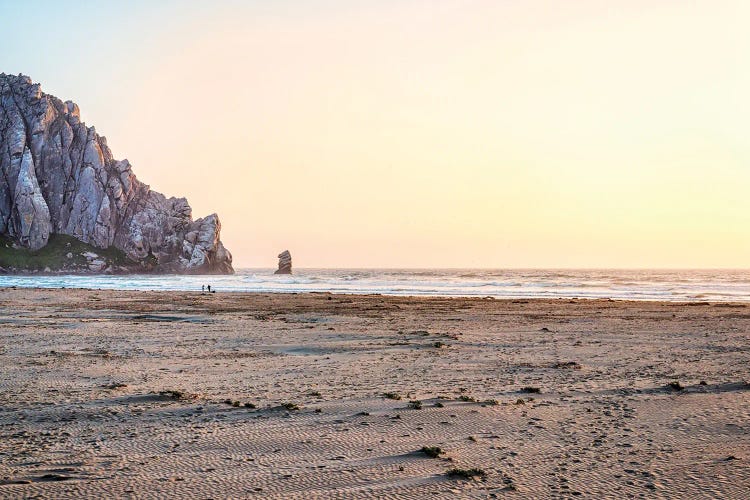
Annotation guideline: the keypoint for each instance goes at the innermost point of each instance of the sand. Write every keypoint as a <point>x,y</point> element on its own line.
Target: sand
<point>142,395</point>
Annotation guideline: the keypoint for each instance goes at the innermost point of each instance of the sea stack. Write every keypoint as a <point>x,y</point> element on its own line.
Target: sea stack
<point>285,263</point>
<point>61,186</point>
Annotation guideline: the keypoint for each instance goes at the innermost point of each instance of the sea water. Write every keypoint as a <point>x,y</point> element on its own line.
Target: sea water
<point>671,285</point>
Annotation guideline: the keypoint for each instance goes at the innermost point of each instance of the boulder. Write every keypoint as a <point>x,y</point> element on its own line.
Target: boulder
<point>285,263</point>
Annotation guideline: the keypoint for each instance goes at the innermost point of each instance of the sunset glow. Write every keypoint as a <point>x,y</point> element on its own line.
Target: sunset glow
<point>424,134</point>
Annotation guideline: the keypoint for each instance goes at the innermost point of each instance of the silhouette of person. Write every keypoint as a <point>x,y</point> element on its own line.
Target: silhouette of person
<point>203,288</point>
<point>209,288</point>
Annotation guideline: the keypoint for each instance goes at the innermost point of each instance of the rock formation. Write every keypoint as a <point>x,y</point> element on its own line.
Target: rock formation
<point>285,263</point>
<point>59,177</point>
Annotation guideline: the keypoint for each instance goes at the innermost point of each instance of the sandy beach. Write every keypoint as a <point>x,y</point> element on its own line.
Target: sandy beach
<point>190,395</point>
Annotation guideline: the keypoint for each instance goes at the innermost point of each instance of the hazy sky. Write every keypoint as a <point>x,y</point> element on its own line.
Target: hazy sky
<point>422,134</point>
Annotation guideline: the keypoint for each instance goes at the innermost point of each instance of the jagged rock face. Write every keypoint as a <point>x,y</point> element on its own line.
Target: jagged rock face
<point>59,176</point>
<point>285,263</point>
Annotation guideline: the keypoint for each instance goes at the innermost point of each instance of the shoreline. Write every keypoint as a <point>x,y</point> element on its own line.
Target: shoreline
<point>668,286</point>
<point>220,292</point>
<point>144,394</point>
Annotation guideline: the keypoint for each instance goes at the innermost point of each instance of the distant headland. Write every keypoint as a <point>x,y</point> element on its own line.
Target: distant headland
<point>66,205</point>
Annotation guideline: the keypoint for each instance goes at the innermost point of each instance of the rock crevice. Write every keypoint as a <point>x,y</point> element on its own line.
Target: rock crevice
<point>59,177</point>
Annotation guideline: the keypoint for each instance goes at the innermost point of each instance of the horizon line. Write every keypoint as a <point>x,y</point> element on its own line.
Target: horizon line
<point>516,268</point>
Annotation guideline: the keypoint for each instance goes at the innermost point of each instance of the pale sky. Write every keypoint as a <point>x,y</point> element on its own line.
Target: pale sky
<point>403,133</point>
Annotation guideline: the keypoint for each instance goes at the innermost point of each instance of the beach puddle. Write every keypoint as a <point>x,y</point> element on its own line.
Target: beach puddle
<point>169,319</point>
<point>304,350</point>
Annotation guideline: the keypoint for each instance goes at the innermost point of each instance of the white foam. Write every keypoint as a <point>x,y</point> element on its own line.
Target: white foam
<point>634,285</point>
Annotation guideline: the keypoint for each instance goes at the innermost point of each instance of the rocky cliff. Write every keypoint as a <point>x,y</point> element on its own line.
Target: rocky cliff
<point>59,177</point>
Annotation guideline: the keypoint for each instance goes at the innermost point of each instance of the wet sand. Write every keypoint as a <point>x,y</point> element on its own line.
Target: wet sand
<point>144,394</point>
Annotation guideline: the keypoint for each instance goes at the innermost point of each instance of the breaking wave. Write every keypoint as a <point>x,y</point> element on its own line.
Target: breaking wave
<point>709,285</point>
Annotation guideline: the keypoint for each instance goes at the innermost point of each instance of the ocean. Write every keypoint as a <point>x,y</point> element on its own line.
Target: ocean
<point>669,285</point>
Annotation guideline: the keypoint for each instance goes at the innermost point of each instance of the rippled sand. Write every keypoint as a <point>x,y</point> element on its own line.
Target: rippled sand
<point>142,395</point>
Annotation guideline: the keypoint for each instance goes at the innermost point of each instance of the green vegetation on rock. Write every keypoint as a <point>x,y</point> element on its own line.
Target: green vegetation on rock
<point>54,255</point>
